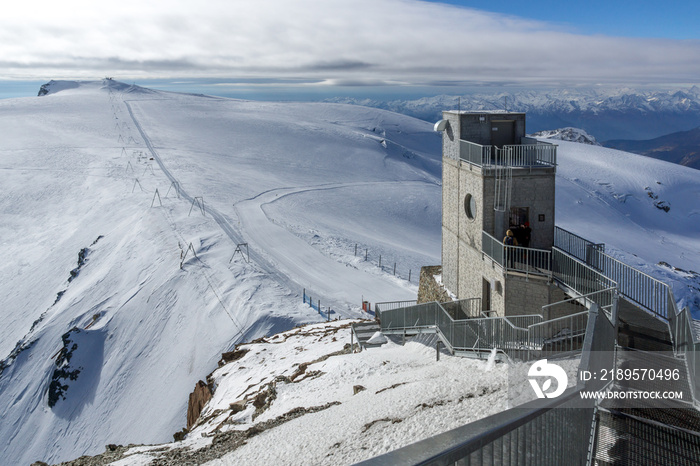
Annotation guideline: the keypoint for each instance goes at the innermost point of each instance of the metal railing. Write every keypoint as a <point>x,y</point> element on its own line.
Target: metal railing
<point>578,276</point>
<point>463,309</point>
<point>529,261</point>
<point>410,317</point>
<point>389,305</point>
<point>518,155</point>
<point>527,155</point>
<point>532,433</point>
<point>636,286</point>
<point>686,343</point>
<point>492,248</point>
<point>519,337</point>
<point>474,153</point>
<point>577,246</point>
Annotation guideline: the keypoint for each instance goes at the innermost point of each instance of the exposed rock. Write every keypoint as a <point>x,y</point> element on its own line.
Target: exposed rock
<point>64,371</point>
<point>231,356</point>
<point>357,389</point>
<point>198,399</point>
<point>180,436</point>
<point>237,406</point>
<point>428,288</point>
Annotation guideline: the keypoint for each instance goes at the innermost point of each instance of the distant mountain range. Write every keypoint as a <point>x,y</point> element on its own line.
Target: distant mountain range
<point>682,147</point>
<point>604,113</point>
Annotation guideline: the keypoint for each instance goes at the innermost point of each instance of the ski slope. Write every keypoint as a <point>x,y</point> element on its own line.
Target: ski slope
<point>303,184</point>
<point>85,161</point>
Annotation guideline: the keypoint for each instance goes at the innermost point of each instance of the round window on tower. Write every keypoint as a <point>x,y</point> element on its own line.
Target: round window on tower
<point>470,206</point>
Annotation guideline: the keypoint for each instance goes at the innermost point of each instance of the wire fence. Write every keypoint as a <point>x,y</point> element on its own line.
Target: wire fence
<point>384,263</point>
<point>316,305</point>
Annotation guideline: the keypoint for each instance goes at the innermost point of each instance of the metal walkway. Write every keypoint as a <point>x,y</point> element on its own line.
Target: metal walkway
<point>363,331</point>
<point>638,326</point>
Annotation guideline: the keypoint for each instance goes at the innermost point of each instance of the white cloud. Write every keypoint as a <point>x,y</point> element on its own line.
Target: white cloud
<point>362,41</point>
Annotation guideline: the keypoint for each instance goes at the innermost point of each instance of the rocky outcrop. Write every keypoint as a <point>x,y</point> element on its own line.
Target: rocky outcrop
<point>428,288</point>
<point>198,399</point>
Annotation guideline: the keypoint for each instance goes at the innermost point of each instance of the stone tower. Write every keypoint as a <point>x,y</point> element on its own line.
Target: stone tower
<point>494,178</point>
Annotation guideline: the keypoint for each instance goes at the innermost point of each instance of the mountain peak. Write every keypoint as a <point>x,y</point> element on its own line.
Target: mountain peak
<point>568,134</point>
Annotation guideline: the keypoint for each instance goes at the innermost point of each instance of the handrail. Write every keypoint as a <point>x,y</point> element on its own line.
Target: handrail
<point>388,305</point>
<point>515,155</point>
<point>527,155</point>
<point>529,261</point>
<point>638,287</point>
<point>520,337</point>
<point>641,288</point>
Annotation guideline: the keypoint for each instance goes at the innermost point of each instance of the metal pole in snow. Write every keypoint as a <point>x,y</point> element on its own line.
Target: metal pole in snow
<point>394,268</point>
<point>355,249</point>
<point>409,275</point>
<point>365,254</point>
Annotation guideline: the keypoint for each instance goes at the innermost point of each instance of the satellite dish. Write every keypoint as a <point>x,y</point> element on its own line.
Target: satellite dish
<point>440,125</point>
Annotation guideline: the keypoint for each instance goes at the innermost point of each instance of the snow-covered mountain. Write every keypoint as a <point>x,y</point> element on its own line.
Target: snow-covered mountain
<point>606,113</point>
<point>568,134</point>
<point>125,214</point>
<point>111,355</point>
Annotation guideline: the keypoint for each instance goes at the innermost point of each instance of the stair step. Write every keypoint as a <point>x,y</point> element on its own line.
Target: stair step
<point>624,440</point>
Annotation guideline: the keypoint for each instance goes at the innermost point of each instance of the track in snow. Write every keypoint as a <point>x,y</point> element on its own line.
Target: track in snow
<point>293,263</point>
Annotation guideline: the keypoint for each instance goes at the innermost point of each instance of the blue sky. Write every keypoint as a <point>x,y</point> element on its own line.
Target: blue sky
<point>671,19</point>
<point>351,47</point>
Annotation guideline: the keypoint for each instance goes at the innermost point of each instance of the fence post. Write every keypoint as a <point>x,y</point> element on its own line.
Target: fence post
<point>437,349</point>
<point>394,268</point>
<point>380,261</point>
<point>365,255</point>
<point>356,249</point>
<point>409,275</point>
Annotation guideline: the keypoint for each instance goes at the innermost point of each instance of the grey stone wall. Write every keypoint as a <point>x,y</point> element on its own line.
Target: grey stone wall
<point>471,182</point>
<point>536,191</point>
<point>429,289</point>
<point>451,136</point>
<point>450,221</point>
<point>526,295</point>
